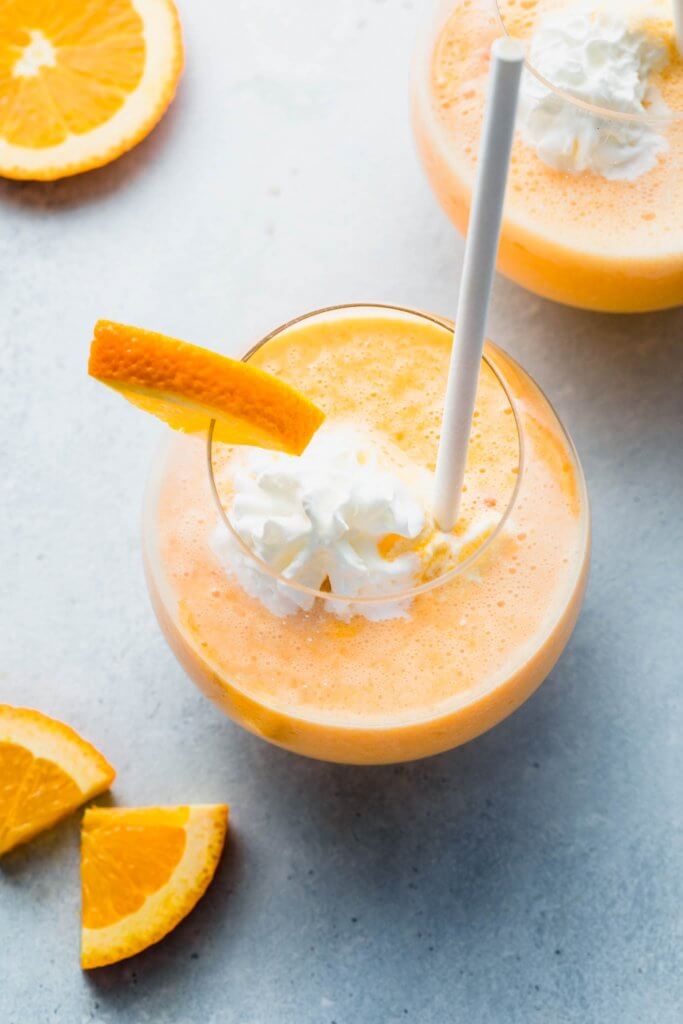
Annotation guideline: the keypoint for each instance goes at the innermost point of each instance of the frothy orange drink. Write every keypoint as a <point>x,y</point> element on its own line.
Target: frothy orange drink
<point>482,625</point>
<point>605,237</point>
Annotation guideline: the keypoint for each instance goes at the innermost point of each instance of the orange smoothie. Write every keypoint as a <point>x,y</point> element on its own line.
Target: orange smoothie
<point>580,238</point>
<point>472,644</point>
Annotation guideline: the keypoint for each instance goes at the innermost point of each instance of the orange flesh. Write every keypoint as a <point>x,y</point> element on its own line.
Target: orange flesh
<point>470,651</point>
<point>123,862</point>
<point>34,793</point>
<point>93,56</point>
<point>579,239</point>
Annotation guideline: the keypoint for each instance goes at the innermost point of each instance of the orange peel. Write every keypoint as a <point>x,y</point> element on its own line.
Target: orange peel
<point>187,386</point>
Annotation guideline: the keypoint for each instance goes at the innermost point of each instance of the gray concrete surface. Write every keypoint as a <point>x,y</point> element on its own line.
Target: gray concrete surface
<point>532,876</point>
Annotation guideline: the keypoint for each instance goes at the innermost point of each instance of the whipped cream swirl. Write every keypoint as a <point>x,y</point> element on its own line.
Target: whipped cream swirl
<point>599,58</point>
<point>318,519</point>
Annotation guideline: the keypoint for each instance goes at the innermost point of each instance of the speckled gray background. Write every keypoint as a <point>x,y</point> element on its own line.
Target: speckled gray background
<point>532,876</point>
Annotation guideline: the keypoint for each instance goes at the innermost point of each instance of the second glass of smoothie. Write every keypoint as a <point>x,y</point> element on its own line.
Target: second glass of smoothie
<point>594,209</point>
<point>470,623</point>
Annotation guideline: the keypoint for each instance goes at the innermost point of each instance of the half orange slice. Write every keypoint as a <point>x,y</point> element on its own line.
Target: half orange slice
<point>143,869</point>
<point>188,386</point>
<point>82,81</point>
<point>46,771</point>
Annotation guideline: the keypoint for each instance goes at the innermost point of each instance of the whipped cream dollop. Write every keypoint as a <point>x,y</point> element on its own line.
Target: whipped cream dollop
<point>319,519</point>
<point>597,57</point>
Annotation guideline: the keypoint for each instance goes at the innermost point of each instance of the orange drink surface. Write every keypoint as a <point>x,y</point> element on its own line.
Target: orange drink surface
<point>472,645</point>
<point>581,238</point>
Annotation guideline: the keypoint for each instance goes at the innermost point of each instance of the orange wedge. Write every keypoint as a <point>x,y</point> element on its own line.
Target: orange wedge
<point>82,81</point>
<point>143,869</point>
<point>187,386</point>
<point>46,772</point>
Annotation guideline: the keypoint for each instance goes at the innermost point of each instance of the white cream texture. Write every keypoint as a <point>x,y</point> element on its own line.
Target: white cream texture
<point>320,517</point>
<point>599,58</point>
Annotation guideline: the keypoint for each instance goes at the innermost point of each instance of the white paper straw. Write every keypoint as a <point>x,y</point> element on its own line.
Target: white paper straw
<point>481,247</point>
<point>678,21</point>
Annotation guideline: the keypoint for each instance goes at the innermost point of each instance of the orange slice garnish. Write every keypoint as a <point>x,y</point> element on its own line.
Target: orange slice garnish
<point>46,771</point>
<point>82,81</point>
<point>142,871</point>
<point>187,387</point>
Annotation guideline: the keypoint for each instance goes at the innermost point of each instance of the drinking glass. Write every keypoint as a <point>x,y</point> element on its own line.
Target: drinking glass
<point>585,239</point>
<point>350,688</point>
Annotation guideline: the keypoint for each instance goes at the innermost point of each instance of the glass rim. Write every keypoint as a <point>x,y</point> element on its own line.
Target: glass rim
<point>411,592</point>
<point>607,113</point>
